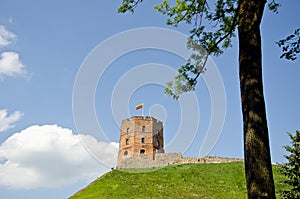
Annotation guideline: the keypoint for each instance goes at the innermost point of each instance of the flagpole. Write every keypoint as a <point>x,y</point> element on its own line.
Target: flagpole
<point>140,106</point>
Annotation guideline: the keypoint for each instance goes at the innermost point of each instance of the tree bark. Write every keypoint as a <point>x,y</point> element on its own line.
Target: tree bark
<point>258,167</point>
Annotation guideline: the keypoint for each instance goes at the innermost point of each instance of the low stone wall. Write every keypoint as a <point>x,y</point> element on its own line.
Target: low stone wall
<point>160,160</point>
<point>207,159</point>
<point>164,159</point>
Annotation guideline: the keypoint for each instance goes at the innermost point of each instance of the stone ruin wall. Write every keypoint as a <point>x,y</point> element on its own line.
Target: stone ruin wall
<point>207,159</point>
<point>141,161</point>
<point>165,159</point>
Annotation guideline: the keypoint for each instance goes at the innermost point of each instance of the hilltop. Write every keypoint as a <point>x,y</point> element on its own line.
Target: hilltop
<point>222,180</point>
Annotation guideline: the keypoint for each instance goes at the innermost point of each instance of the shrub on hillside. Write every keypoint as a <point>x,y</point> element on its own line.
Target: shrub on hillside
<point>291,169</point>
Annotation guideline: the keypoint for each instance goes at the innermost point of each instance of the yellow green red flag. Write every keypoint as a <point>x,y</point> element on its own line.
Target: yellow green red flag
<point>137,107</point>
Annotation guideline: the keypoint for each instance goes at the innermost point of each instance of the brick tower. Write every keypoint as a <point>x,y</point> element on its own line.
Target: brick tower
<point>140,139</point>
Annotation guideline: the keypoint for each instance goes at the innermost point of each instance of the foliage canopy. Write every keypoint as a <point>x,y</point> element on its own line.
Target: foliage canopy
<point>213,26</point>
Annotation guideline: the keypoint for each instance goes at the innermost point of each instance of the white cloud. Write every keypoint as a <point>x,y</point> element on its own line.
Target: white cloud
<point>6,37</point>
<point>11,65</point>
<point>51,156</point>
<point>7,121</point>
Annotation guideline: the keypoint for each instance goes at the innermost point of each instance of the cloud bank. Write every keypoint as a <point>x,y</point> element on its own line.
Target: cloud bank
<point>51,156</point>
<point>7,121</point>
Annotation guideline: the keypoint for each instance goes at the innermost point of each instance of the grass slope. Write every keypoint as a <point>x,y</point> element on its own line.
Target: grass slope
<point>225,180</point>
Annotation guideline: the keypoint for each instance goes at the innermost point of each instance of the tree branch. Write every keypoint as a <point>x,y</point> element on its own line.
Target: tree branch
<point>232,28</point>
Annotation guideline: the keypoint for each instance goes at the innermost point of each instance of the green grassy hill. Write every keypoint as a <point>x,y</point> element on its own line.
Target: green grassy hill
<point>225,180</point>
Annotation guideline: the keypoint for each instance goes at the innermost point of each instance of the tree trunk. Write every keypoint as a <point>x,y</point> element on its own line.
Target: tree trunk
<point>258,168</point>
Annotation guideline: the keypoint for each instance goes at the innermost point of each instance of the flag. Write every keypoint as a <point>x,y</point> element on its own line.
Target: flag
<point>137,107</point>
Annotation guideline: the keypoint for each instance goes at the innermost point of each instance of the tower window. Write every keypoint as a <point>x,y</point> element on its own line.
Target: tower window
<point>143,140</point>
<point>128,130</point>
<point>127,141</point>
<point>125,152</point>
<point>143,129</point>
<point>156,143</point>
<point>142,151</point>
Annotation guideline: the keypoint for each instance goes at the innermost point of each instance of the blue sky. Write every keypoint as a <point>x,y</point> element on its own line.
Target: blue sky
<point>45,47</point>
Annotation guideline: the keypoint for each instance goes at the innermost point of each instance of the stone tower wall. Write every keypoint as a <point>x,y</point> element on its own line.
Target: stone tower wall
<point>139,134</point>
